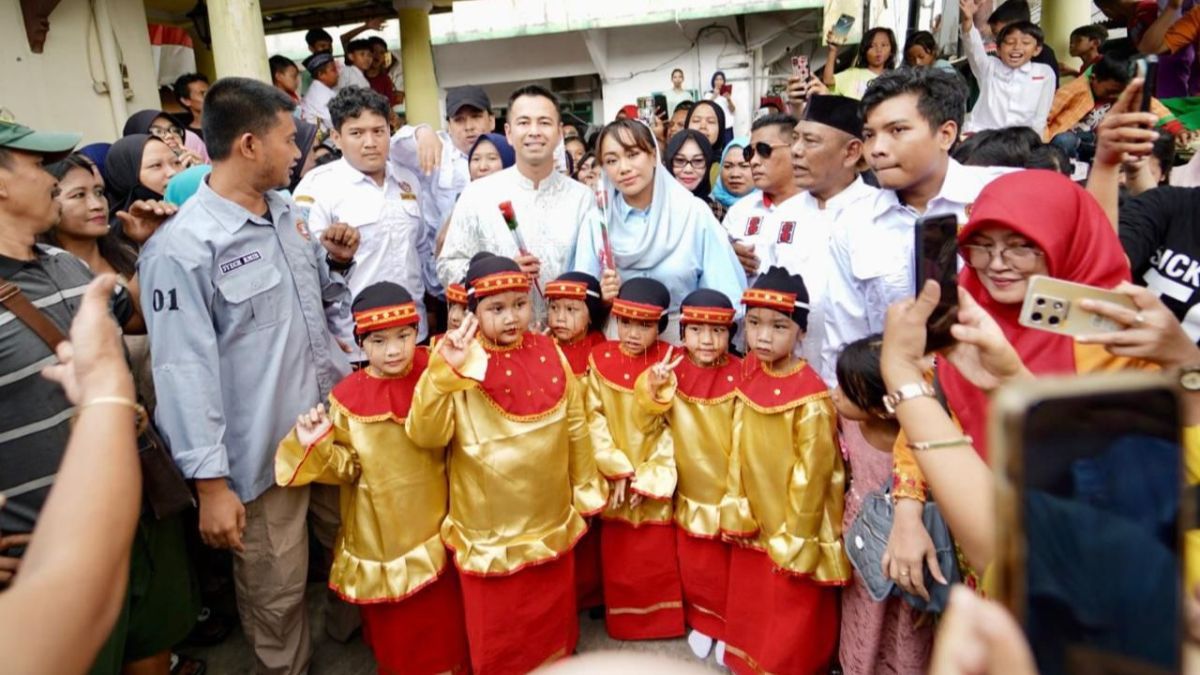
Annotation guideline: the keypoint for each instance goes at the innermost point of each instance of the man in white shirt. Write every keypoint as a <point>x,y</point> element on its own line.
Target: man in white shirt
<point>796,235</point>
<point>440,160</point>
<point>1013,90</point>
<point>314,108</point>
<point>359,58</point>
<point>911,121</point>
<point>366,191</point>
<point>549,207</point>
<point>769,154</point>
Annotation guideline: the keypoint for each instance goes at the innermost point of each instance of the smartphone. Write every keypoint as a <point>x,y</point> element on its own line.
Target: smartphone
<point>841,28</point>
<point>936,253</point>
<point>1091,513</point>
<point>1147,69</point>
<point>800,67</point>
<point>660,107</point>
<point>726,89</point>
<point>1053,305</point>
<point>645,105</point>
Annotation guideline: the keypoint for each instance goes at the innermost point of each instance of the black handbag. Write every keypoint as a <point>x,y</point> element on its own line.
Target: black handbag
<point>164,490</point>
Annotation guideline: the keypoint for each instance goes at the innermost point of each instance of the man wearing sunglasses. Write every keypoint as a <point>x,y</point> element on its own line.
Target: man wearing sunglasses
<point>825,158</point>
<point>769,154</point>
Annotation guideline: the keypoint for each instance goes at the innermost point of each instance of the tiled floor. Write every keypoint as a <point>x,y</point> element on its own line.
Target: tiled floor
<point>233,657</point>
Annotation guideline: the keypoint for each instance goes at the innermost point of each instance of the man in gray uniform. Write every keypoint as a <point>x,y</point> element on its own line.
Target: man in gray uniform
<point>242,307</point>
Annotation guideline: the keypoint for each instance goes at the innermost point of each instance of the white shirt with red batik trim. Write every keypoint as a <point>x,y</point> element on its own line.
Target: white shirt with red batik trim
<point>744,220</point>
<point>796,236</point>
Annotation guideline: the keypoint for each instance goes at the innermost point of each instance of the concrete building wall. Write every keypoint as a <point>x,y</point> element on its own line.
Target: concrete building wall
<point>55,90</point>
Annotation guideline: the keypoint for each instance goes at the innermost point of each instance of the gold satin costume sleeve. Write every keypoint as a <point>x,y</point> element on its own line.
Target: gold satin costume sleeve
<point>393,501</point>
<point>512,484</point>
<point>589,489</point>
<point>628,436</point>
<point>797,496</point>
<point>1191,538</point>
<point>737,519</point>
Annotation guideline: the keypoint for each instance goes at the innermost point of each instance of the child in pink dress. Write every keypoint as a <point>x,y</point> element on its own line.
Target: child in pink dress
<point>888,636</point>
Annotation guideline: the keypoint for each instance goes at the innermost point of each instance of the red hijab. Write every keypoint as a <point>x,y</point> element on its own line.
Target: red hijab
<point>1079,244</point>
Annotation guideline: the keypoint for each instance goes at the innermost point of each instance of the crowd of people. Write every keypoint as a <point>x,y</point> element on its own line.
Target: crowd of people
<point>505,374</point>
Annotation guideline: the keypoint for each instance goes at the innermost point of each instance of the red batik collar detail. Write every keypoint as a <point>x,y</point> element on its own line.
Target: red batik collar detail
<point>368,398</point>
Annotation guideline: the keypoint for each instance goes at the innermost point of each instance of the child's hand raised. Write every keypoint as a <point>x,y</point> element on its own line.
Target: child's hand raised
<point>312,425</point>
<point>453,347</point>
<point>659,374</point>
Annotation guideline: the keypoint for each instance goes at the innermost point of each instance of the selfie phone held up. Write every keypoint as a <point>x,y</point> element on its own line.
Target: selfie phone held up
<point>645,106</point>
<point>1054,305</point>
<point>936,253</point>
<point>1147,69</point>
<point>841,29</point>
<point>1091,517</point>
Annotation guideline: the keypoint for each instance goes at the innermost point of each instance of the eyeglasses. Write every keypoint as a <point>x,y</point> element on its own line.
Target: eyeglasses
<point>163,132</point>
<point>763,149</point>
<point>980,256</point>
<point>697,163</point>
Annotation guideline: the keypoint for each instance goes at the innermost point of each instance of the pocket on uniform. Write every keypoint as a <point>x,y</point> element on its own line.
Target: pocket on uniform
<point>255,298</point>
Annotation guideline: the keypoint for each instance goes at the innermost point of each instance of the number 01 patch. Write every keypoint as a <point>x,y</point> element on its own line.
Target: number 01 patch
<point>168,300</point>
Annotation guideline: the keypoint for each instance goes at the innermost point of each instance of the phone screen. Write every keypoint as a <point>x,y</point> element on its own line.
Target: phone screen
<point>1101,511</point>
<point>936,253</point>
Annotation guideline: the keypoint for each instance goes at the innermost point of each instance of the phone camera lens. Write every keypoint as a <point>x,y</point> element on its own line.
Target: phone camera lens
<point>1040,301</point>
<point>1036,316</point>
<point>1054,320</point>
<point>1058,305</point>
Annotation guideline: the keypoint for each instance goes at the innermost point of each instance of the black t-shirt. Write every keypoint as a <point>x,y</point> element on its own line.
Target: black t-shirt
<point>1159,230</point>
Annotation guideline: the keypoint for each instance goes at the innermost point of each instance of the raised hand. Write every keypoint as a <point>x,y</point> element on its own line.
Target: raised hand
<point>1150,332</point>
<point>313,425</point>
<point>453,346</point>
<point>429,150</point>
<point>659,374</point>
<point>340,241</point>
<point>610,285</point>
<point>982,353</point>
<point>966,12</point>
<point>143,217</point>
<point>1125,133</point>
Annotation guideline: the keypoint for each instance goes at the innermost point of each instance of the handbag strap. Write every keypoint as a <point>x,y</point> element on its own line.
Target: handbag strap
<point>15,301</point>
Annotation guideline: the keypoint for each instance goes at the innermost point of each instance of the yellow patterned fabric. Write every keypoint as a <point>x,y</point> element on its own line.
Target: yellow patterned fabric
<point>702,432</point>
<point>632,443</point>
<point>786,486</point>
<point>393,501</point>
<point>518,486</point>
<point>1191,538</point>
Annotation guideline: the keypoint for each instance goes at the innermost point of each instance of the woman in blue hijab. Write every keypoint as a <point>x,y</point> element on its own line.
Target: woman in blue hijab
<point>491,153</point>
<point>733,180</point>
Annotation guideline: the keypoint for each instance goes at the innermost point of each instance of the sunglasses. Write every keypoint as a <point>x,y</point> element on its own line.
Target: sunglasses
<point>764,150</point>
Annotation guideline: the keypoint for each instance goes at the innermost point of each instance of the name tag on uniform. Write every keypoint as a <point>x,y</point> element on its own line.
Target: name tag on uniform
<point>231,265</point>
<point>407,195</point>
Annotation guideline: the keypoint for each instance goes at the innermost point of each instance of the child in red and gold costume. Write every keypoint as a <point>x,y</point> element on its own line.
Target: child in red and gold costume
<point>522,472</point>
<point>389,558</point>
<point>635,452</point>
<point>697,400</point>
<point>783,504</point>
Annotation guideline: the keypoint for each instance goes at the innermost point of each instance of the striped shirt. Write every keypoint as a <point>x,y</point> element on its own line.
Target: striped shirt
<point>35,415</point>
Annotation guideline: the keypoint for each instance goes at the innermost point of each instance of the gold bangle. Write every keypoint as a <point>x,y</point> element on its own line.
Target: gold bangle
<point>937,445</point>
<point>141,417</point>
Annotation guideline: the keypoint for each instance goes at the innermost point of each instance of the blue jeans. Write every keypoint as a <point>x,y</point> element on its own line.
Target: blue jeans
<point>1080,145</point>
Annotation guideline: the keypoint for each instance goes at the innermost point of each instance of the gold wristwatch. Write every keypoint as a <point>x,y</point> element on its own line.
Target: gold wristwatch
<point>906,392</point>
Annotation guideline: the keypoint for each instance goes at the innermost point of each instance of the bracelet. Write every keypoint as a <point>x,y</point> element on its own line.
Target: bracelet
<point>140,415</point>
<point>937,445</point>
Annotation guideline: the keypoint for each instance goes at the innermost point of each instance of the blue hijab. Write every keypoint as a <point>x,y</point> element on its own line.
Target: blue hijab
<point>720,192</point>
<point>508,156</point>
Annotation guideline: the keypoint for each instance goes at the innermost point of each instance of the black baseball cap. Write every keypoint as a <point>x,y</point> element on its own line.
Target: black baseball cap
<point>458,98</point>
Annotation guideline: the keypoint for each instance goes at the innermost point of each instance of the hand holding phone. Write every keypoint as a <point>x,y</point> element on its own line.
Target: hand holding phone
<point>1056,306</point>
<point>1147,69</point>
<point>841,30</point>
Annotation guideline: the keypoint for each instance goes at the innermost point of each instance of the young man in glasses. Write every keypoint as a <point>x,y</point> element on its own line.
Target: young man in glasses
<point>825,158</point>
<point>770,160</point>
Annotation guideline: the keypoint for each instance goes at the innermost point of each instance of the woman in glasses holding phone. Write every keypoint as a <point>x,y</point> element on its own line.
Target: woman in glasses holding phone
<point>186,145</point>
<point>657,226</point>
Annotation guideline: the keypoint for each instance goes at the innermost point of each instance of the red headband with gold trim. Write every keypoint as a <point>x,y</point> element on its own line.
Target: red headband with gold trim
<point>499,282</point>
<point>720,316</point>
<point>568,290</point>
<point>777,300</point>
<point>636,310</point>
<point>456,294</point>
<point>379,318</point>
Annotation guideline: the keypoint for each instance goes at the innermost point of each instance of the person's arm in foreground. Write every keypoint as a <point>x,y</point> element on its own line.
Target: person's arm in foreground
<point>1123,132</point>
<point>61,607</point>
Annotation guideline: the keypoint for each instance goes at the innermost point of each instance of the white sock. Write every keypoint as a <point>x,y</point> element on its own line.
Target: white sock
<point>720,655</point>
<point>700,643</point>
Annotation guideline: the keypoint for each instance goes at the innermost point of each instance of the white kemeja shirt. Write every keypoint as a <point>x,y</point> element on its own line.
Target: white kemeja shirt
<point>314,107</point>
<point>439,192</point>
<point>549,217</point>
<point>1008,97</point>
<point>351,76</point>
<point>744,220</point>
<point>387,217</point>
<point>872,253</point>
<point>796,237</point>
